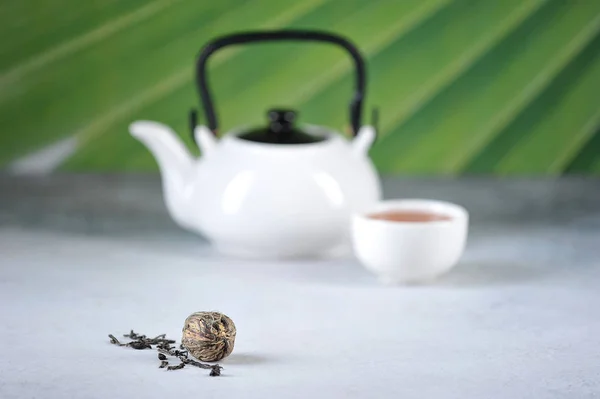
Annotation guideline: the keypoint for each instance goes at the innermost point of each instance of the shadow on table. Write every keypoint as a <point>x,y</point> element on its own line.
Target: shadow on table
<point>246,358</point>
<point>486,273</point>
<point>467,274</point>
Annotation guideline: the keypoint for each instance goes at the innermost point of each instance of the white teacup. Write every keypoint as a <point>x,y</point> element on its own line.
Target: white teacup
<point>403,252</point>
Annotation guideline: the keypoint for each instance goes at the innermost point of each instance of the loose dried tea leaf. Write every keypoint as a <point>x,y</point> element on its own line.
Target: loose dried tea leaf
<point>114,340</point>
<point>178,367</point>
<point>197,364</point>
<point>139,345</point>
<point>164,349</point>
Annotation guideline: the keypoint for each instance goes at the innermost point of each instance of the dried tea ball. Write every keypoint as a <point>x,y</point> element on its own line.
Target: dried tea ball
<point>208,336</point>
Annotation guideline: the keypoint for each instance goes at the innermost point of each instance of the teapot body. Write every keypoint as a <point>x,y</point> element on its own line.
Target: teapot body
<point>275,191</point>
<point>276,201</point>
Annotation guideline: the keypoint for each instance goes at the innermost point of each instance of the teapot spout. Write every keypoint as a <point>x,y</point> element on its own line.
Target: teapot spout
<point>176,167</point>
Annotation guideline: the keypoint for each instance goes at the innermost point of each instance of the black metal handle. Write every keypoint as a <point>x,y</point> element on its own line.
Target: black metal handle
<point>279,35</point>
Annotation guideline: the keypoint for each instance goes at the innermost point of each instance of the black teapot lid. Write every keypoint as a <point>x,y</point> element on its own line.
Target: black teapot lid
<point>280,130</point>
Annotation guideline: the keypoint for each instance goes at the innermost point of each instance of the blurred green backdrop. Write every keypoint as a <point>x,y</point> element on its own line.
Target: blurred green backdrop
<point>463,86</point>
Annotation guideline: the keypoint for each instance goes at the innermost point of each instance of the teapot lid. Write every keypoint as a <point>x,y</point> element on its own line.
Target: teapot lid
<point>280,130</point>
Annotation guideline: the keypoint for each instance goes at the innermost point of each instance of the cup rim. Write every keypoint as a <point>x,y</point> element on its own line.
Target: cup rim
<point>456,211</point>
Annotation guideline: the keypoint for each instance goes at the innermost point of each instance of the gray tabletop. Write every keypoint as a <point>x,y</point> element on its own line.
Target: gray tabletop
<point>90,255</point>
<point>133,204</point>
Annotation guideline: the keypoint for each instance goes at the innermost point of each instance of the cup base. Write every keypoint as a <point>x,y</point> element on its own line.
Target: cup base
<point>391,281</point>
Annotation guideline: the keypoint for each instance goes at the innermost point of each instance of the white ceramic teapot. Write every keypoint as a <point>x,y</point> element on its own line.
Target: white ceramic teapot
<point>277,191</point>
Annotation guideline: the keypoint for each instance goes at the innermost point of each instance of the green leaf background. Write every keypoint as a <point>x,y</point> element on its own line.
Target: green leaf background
<point>508,87</point>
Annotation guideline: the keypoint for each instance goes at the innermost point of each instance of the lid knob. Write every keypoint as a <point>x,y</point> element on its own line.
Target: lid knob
<point>280,129</point>
<point>281,120</point>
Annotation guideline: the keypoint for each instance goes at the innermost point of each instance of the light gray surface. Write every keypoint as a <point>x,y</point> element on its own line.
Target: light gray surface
<point>84,256</point>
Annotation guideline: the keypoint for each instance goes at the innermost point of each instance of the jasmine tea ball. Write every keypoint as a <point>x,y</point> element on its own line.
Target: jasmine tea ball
<point>208,336</point>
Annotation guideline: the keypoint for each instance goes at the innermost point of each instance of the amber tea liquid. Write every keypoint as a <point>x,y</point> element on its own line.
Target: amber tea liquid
<point>409,216</point>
